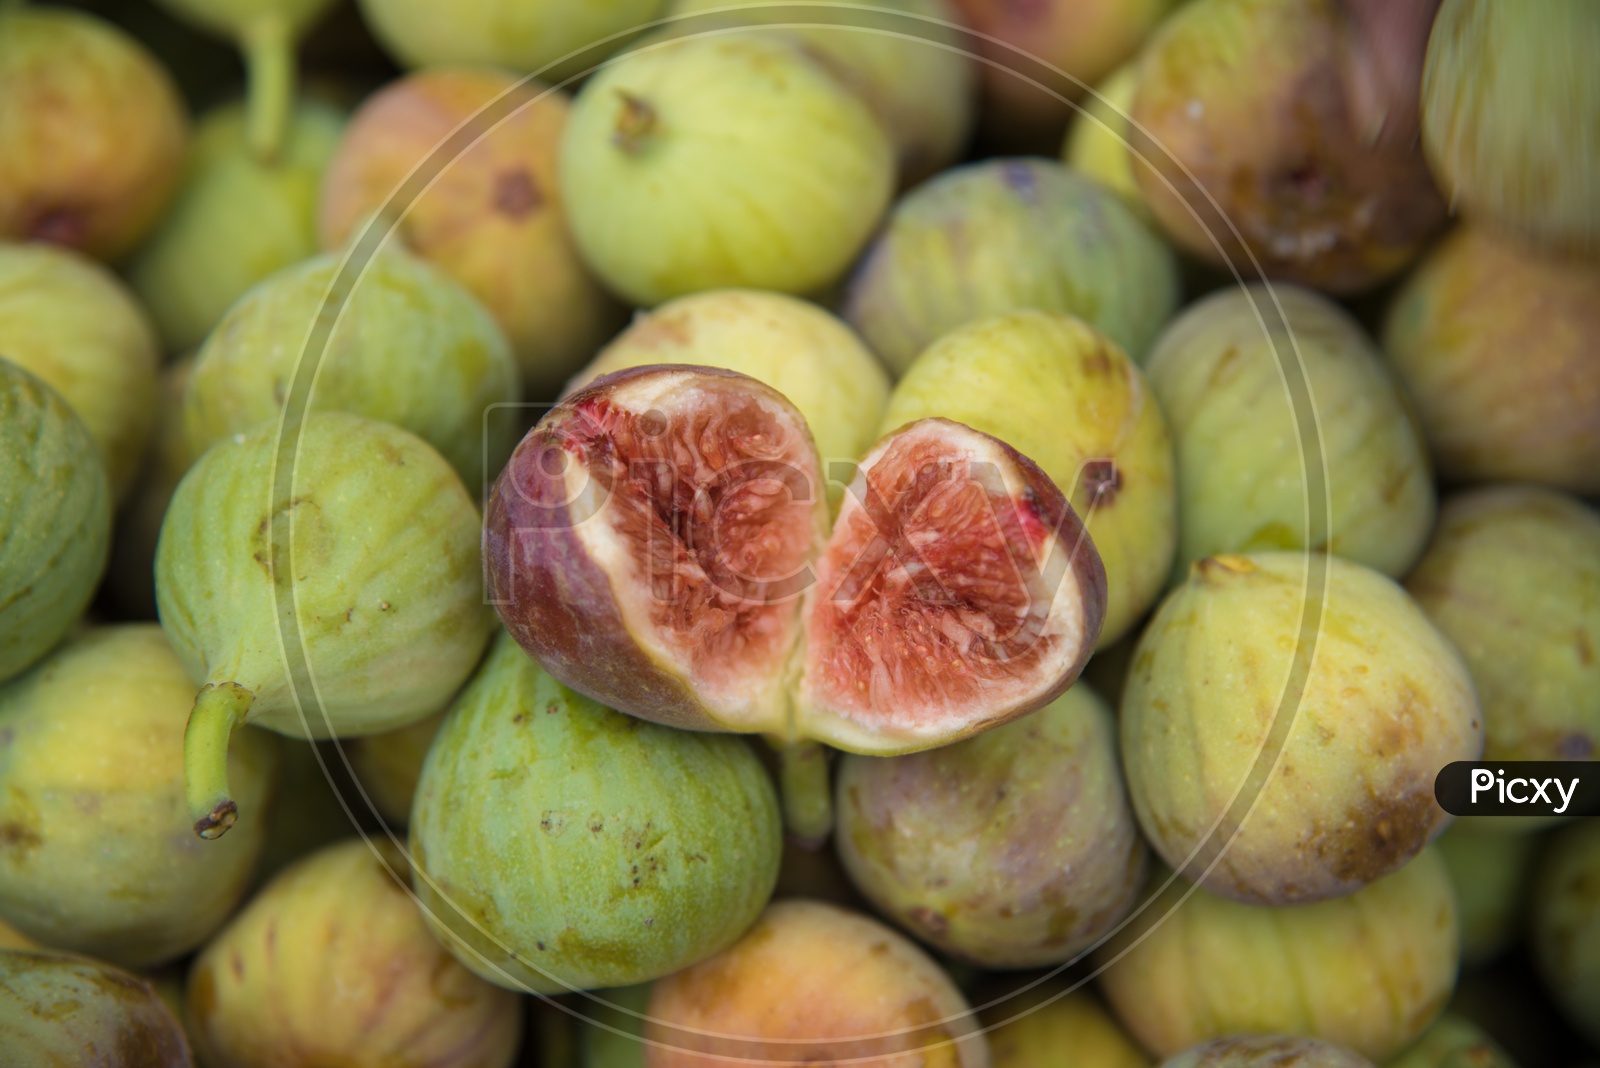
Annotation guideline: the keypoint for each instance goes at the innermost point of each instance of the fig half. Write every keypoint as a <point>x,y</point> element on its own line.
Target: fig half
<point>659,542</point>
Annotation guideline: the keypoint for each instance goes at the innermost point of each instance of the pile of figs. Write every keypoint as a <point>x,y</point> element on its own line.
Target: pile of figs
<point>894,533</point>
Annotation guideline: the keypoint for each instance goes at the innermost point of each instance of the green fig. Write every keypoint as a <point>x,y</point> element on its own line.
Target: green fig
<point>612,1032</point>
<point>387,766</point>
<point>408,346</point>
<point>55,528</point>
<point>1453,1042</point>
<point>561,845</point>
<point>1066,396</point>
<point>1267,1051</point>
<point>235,221</point>
<point>58,1010</point>
<point>1012,849</point>
<point>1566,925</point>
<point>1276,397</point>
<point>1004,235</point>
<point>1097,140</point>
<point>1046,1026</point>
<point>1512,577</point>
<point>75,325</point>
<point>332,964</point>
<point>1368,971</point>
<point>96,851</point>
<point>92,132</point>
<point>1490,868</point>
<point>380,589</point>
<point>721,161</point>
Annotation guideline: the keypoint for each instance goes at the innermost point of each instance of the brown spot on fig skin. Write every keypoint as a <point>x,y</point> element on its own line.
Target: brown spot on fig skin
<point>930,921</point>
<point>1102,480</point>
<point>516,194</point>
<point>1378,837</point>
<point>19,837</point>
<point>59,226</point>
<point>1585,648</point>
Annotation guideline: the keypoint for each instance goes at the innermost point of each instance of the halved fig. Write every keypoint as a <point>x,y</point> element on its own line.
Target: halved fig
<point>660,542</point>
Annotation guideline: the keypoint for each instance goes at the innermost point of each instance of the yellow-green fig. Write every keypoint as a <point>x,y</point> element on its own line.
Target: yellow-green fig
<point>1453,1042</point>
<point>365,545</point>
<point>721,161</point>
<point>59,1010</point>
<point>1046,1026</point>
<point>76,326</point>
<point>1368,971</point>
<point>1267,1051</point>
<point>1566,925</point>
<point>1490,868</point>
<point>560,845</point>
<point>332,963</point>
<point>1097,141</point>
<point>387,766</point>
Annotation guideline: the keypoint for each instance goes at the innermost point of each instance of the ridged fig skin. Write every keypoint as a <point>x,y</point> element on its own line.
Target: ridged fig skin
<point>1566,924</point>
<point>1369,971</point>
<point>57,1009</point>
<point>1453,1042</point>
<point>813,983</point>
<point>1267,1051</point>
<point>560,845</point>
<point>1032,1028</point>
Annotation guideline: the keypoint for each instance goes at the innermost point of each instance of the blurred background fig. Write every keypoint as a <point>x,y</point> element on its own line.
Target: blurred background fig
<point>309,806</point>
<point>1535,418</point>
<point>1005,235</point>
<point>1512,577</point>
<point>543,872</point>
<point>721,161</point>
<point>75,325</point>
<point>611,1029</point>
<point>1566,925</point>
<point>1359,733</point>
<point>1368,971</point>
<point>1491,867</point>
<point>1097,143</point>
<point>92,132</point>
<point>492,217</point>
<point>1453,1042</point>
<point>387,766</point>
<point>332,963</point>
<point>59,1009</point>
<point>1267,1051</point>
<point>55,530</point>
<point>812,983</point>
<point>97,852</point>
<point>1013,849</point>
<point>1276,396</point>
<point>1046,1026</point>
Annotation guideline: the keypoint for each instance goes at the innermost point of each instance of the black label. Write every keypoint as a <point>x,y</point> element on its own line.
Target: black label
<point>1519,788</point>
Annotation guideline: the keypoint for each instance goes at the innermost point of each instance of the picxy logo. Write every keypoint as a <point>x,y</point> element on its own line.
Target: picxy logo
<point>1519,788</point>
<point>1523,791</point>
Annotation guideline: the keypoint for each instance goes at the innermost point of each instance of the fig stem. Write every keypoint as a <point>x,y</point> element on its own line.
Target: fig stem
<point>269,55</point>
<point>219,709</point>
<point>807,796</point>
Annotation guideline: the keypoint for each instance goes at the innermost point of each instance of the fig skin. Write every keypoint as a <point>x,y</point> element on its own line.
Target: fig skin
<point>1510,109</point>
<point>1385,704</point>
<point>1013,849</point>
<point>1066,396</point>
<point>96,851</point>
<point>1048,1027</point>
<point>1566,925</point>
<point>74,324</point>
<point>332,963</point>
<point>1368,971</point>
<point>722,161</point>
<point>56,529</point>
<point>1242,409</point>
<point>387,766</point>
<point>491,219</point>
<point>1097,142</point>
<point>1267,1051</point>
<point>1490,867</point>
<point>541,875</point>
<point>410,347</point>
<point>1301,192</point>
<point>813,983</point>
<point>92,132</point>
<point>1005,235</point>
<point>1536,418</point>
<point>1512,577</point>
<point>386,579</point>
<point>60,1009</point>
<point>1453,1042</point>
<point>235,221</point>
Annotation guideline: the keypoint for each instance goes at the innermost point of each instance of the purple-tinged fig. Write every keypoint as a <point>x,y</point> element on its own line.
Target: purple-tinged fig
<point>1267,1051</point>
<point>58,1009</point>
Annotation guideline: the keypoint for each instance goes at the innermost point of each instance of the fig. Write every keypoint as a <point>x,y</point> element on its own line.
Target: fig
<point>612,1031</point>
<point>387,766</point>
<point>657,543</point>
<point>333,964</point>
<point>74,325</point>
<point>491,217</point>
<point>1453,1042</point>
<point>795,347</point>
<point>404,344</point>
<point>55,529</point>
<point>373,542</point>
<point>1013,849</point>
<point>1536,418</point>
<point>903,57</point>
<point>92,132</point>
<point>541,875</point>
<point>235,220</point>
<point>1510,106</point>
<point>1271,173</point>
<point>59,1009</point>
<point>1566,925</point>
<point>1490,868</point>
<point>1066,396</point>
<point>1281,774</point>
<point>1097,141</point>
<point>309,807</point>
<point>1048,1026</point>
<point>1276,398</point>
<point>1368,971</point>
<point>1512,577</point>
<point>721,161</point>
<point>96,854</point>
<point>812,984</point>
<point>1267,1051</point>
<point>1005,235</point>
<point>11,938</point>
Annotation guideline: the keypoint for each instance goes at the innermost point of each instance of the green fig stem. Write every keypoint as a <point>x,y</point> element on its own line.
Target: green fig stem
<point>636,123</point>
<point>269,55</point>
<point>807,796</point>
<point>218,710</point>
